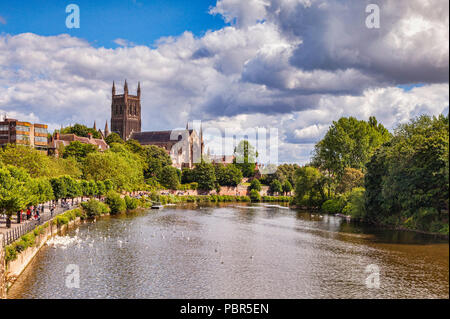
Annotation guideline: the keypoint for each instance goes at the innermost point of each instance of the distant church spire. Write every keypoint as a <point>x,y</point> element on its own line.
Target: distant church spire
<point>187,125</point>
<point>114,89</point>
<point>95,126</point>
<point>106,133</point>
<point>125,87</point>
<point>139,89</point>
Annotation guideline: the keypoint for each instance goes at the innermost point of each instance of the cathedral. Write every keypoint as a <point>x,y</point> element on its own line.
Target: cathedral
<point>185,147</point>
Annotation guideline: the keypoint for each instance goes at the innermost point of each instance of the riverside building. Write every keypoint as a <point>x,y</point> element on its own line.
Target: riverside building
<point>24,133</point>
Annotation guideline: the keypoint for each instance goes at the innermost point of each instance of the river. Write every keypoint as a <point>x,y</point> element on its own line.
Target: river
<point>236,251</point>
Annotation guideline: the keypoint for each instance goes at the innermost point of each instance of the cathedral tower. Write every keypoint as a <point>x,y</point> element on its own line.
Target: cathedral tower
<point>125,112</point>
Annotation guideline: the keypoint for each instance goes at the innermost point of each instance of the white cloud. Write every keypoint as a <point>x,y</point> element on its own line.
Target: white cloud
<point>291,64</point>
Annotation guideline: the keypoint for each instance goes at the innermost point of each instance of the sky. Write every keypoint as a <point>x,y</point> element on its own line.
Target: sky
<point>292,65</point>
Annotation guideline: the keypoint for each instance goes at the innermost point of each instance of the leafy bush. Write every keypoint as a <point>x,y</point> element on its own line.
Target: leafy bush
<point>95,208</point>
<point>356,203</point>
<point>115,202</point>
<point>10,253</point>
<point>255,196</point>
<point>256,185</point>
<point>131,203</point>
<point>333,206</point>
<point>61,220</point>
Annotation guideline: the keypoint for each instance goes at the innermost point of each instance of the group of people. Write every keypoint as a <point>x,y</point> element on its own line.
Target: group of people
<point>34,212</point>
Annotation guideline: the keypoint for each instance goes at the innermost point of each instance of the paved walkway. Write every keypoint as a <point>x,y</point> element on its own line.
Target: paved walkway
<point>46,215</point>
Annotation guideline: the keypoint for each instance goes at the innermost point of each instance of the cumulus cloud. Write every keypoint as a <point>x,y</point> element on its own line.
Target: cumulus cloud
<point>296,65</point>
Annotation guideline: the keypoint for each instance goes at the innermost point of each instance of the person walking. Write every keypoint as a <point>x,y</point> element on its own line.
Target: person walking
<point>28,213</point>
<point>52,209</point>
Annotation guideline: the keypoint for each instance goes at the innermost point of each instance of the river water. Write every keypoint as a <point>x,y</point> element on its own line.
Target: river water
<point>235,251</point>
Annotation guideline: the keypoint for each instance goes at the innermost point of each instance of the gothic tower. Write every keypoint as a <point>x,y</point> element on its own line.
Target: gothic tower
<point>125,112</point>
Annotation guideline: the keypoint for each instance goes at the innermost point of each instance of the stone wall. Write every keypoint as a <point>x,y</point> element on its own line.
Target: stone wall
<point>224,190</point>
<point>17,266</point>
<point>2,270</point>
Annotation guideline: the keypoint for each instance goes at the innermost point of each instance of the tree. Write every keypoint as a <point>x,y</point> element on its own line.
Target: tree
<point>275,187</point>
<point>101,188</point>
<point>349,143</point>
<point>115,202</point>
<point>227,175</point>
<point>287,187</point>
<point>113,138</point>
<point>310,183</point>
<point>256,185</point>
<point>205,176</point>
<point>245,158</point>
<point>187,176</point>
<point>169,177</point>
<point>81,130</point>
<point>45,190</point>
<point>14,190</point>
<point>38,164</point>
<point>78,150</point>
<point>285,172</point>
<point>407,180</point>
<point>59,188</point>
<point>350,179</point>
<point>119,165</point>
<point>156,158</point>
<point>255,196</point>
<point>73,188</point>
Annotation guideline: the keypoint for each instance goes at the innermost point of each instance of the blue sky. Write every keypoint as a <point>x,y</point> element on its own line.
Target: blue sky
<point>138,21</point>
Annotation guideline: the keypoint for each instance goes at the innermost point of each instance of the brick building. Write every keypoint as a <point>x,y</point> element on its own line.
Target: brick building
<point>58,141</point>
<point>24,133</point>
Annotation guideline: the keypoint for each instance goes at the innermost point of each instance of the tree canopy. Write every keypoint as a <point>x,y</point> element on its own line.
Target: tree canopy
<point>80,130</point>
<point>349,143</point>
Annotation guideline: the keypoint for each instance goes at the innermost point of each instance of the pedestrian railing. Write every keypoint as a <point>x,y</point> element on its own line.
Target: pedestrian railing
<point>28,225</point>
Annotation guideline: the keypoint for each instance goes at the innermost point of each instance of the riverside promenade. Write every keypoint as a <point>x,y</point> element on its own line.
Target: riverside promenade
<point>19,229</point>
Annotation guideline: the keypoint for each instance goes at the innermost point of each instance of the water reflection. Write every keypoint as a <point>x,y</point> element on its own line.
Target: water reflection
<point>236,251</point>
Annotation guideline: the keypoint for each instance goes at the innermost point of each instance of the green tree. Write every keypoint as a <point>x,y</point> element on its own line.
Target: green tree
<point>119,165</point>
<point>59,188</point>
<point>255,196</point>
<point>245,158</point>
<point>78,150</point>
<point>156,158</point>
<point>101,188</point>
<point>115,202</point>
<point>310,183</point>
<point>256,185</point>
<point>169,177</point>
<point>407,180</point>
<point>113,138</point>
<point>227,175</point>
<point>187,176</point>
<point>14,190</point>
<point>205,176</point>
<point>80,130</point>
<point>287,187</point>
<point>38,164</point>
<point>350,179</point>
<point>72,186</point>
<point>275,187</point>
<point>348,143</point>
<point>356,204</point>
